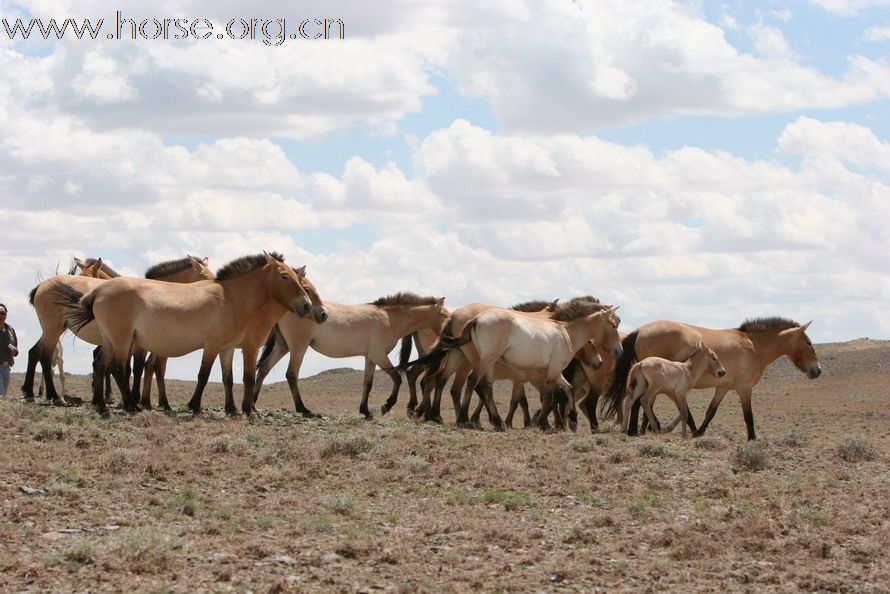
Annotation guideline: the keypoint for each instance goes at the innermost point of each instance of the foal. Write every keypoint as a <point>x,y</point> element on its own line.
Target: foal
<point>653,376</point>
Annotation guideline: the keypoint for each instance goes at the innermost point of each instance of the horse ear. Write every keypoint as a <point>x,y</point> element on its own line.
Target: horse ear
<point>79,263</point>
<point>440,302</point>
<point>805,326</point>
<point>553,305</point>
<point>269,259</point>
<point>97,267</point>
<point>301,271</point>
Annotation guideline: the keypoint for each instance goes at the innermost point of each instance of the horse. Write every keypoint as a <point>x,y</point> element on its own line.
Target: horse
<point>239,307</point>
<point>745,351</point>
<point>50,313</point>
<point>369,330</point>
<point>438,371</point>
<point>529,341</point>
<point>654,375</point>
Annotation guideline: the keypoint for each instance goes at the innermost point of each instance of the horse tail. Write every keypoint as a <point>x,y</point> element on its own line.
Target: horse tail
<point>274,335</point>
<point>612,402</point>
<point>405,353</point>
<point>78,307</point>
<point>445,344</point>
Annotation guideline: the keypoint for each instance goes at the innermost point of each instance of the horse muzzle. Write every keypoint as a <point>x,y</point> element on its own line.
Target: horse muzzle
<point>617,351</point>
<point>302,307</point>
<point>814,371</point>
<point>596,362</point>
<point>721,372</point>
<point>321,315</point>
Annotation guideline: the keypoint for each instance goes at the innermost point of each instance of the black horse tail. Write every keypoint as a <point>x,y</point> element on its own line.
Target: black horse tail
<point>446,344</point>
<point>612,402</point>
<point>78,307</point>
<point>274,335</point>
<point>405,353</point>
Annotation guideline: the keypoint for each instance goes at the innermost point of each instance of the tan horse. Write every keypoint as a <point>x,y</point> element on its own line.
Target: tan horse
<point>446,364</point>
<point>238,308</point>
<point>745,352</point>
<point>369,330</point>
<point>533,342</point>
<point>185,270</point>
<point>654,375</point>
<point>50,313</point>
<point>93,267</point>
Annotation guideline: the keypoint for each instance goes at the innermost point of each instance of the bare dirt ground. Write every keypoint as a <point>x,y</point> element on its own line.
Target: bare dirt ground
<point>157,503</point>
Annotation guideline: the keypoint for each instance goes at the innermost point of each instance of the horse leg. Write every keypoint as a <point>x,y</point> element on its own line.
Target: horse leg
<point>46,365</point>
<point>34,354</point>
<point>411,376</point>
<point>122,378</point>
<point>367,383</point>
<point>249,353</point>
<point>493,416</point>
<point>160,365</point>
<point>463,418</point>
<point>60,364</point>
<point>684,410</point>
<point>569,392</point>
<point>100,371</point>
<point>145,400</point>
<point>745,398</point>
<point>396,378</point>
<point>270,358</point>
<point>647,400</point>
<point>228,380</point>
<point>517,393</point>
<point>138,365</point>
<point>293,381</point>
<point>427,385</point>
<point>480,404</point>
<point>203,374</point>
<point>719,393</point>
<point>589,408</point>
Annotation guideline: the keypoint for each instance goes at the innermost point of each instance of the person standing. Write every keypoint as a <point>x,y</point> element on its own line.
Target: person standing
<point>9,348</point>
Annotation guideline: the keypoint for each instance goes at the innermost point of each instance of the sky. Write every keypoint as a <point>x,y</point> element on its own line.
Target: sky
<point>695,161</point>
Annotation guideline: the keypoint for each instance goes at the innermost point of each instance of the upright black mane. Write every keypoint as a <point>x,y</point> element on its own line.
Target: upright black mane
<point>104,268</point>
<point>532,306</point>
<point>244,264</point>
<point>767,324</point>
<point>404,298</point>
<point>584,299</point>
<point>575,309</point>
<point>168,268</point>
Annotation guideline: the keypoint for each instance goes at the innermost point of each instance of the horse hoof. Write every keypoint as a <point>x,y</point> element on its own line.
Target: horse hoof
<point>384,409</point>
<point>500,427</point>
<point>59,402</point>
<point>104,413</point>
<point>308,414</point>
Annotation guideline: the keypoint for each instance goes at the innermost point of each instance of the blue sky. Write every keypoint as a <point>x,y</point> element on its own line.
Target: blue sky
<point>701,161</point>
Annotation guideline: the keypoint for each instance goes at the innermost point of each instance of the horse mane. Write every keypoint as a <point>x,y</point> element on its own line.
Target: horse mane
<point>168,268</point>
<point>584,299</point>
<point>32,294</point>
<point>104,268</point>
<point>244,264</point>
<point>767,324</point>
<point>404,298</point>
<point>576,308</point>
<point>532,306</point>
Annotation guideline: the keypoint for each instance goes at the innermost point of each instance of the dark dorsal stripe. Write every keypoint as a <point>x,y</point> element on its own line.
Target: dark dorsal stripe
<point>767,324</point>
<point>404,298</point>
<point>168,268</point>
<point>244,264</point>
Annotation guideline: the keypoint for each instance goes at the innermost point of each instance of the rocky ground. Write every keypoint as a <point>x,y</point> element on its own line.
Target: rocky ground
<point>158,503</point>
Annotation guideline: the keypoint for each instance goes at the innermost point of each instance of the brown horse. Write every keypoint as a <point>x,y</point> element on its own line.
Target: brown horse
<point>744,351</point>
<point>654,375</point>
<point>369,330</point>
<point>50,313</point>
<point>238,308</point>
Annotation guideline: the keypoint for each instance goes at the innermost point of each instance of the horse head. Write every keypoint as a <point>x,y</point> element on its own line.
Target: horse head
<point>801,351</point>
<point>286,288</point>
<point>319,311</point>
<point>590,355</point>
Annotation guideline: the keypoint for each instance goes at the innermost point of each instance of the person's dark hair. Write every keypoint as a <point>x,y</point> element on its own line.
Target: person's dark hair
<point>3,305</point>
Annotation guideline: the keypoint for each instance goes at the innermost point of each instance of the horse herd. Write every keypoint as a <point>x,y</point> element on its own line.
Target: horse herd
<point>571,352</point>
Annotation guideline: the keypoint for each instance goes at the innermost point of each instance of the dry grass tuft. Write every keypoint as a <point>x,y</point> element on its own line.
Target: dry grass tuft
<point>751,456</point>
<point>856,449</point>
<point>652,450</point>
<point>349,448</point>
<point>794,439</point>
<point>709,443</point>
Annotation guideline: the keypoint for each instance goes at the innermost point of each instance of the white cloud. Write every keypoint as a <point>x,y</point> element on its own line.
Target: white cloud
<point>848,7</point>
<point>877,34</point>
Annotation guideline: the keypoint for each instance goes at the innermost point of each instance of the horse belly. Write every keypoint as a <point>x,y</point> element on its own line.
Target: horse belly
<point>340,340</point>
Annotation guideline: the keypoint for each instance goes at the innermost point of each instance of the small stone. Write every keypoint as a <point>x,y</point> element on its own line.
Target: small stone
<point>52,535</point>
<point>31,490</point>
<point>330,557</point>
<point>287,559</point>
